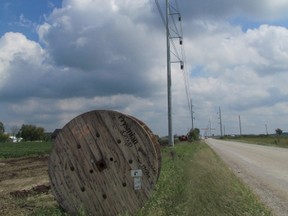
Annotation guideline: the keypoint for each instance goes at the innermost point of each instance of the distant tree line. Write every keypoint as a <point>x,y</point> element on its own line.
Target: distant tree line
<point>27,132</point>
<point>278,131</point>
<point>3,137</point>
<point>194,134</point>
<point>31,133</point>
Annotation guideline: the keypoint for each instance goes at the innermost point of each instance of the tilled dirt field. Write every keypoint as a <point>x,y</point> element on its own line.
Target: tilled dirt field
<point>23,181</point>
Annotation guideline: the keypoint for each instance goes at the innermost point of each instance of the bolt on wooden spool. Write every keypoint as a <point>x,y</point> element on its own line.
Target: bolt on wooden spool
<point>104,163</point>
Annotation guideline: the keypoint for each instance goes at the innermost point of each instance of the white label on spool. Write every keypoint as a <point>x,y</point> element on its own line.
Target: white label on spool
<point>137,183</point>
<point>136,173</point>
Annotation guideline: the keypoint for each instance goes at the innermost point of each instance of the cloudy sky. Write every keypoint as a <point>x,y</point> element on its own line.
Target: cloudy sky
<point>59,59</point>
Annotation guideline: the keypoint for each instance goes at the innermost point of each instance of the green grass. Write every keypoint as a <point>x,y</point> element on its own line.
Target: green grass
<point>21,149</point>
<point>37,205</point>
<point>268,140</point>
<point>194,181</point>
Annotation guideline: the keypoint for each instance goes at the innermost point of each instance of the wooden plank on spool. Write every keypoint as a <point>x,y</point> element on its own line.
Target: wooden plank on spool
<point>153,138</point>
<point>104,163</point>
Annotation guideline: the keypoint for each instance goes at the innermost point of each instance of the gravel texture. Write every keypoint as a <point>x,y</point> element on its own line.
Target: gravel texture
<point>263,168</point>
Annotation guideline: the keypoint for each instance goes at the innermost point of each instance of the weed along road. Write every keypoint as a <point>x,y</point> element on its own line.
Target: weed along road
<point>263,168</point>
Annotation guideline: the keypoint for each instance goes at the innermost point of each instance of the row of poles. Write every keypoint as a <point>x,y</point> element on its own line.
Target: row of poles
<point>169,82</point>
<point>221,126</point>
<point>169,38</point>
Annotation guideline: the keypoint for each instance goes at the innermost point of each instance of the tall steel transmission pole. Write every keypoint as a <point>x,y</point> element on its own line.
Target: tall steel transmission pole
<point>169,82</point>
<point>210,133</point>
<point>220,118</point>
<point>240,126</point>
<point>192,114</point>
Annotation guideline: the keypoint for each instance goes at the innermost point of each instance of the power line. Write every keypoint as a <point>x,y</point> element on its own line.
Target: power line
<point>160,12</point>
<point>173,25</point>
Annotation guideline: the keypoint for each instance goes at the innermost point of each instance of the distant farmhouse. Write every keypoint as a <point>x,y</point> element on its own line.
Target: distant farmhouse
<point>14,139</point>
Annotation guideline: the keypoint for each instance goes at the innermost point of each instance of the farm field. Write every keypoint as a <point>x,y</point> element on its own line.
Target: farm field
<point>193,181</point>
<point>268,140</point>
<point>22,149</point>
<point>24,184</point>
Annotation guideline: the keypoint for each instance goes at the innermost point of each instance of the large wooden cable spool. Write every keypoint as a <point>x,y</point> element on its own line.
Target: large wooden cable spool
<point>104,163</point>
<point>154,140</point>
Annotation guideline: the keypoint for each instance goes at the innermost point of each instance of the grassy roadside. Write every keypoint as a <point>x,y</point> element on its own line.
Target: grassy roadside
<point>23,149</point>
<point>194,181</point>
<point>267,140</point>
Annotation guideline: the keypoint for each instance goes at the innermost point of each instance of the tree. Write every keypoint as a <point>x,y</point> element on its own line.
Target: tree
<point>278,131</point>
<point>4,137</point>
<point>31,133</point>
<point>2,128</point>
<point>14,130</point>
<point>194,134</point>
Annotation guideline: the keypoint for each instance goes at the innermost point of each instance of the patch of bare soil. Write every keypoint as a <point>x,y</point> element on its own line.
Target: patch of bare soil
<point>21,178</point>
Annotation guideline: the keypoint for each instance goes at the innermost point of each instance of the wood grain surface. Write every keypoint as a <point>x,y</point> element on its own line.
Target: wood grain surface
<point>92,159</point>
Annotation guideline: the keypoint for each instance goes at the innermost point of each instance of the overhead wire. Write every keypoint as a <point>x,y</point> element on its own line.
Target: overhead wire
<point>177,33</point>
<point>160,12</point>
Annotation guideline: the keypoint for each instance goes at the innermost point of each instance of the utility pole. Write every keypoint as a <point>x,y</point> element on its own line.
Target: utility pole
<point>169,81</point>
<point>192,114</point>
<point>210,128</point>
<point>240,126</point>
<point>220,118</point>
<point>266,129</point>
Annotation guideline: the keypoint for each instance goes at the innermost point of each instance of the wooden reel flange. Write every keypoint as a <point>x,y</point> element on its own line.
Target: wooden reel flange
<point>104,163</point>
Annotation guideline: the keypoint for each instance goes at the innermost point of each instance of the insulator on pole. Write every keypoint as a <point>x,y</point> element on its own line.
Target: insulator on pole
<point>180,40</point>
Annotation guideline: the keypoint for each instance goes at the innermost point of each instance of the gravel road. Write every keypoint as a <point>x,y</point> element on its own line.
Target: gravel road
<point>263,168</point>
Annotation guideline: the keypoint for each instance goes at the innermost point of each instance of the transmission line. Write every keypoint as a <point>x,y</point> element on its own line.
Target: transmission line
<point>173,24</point>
